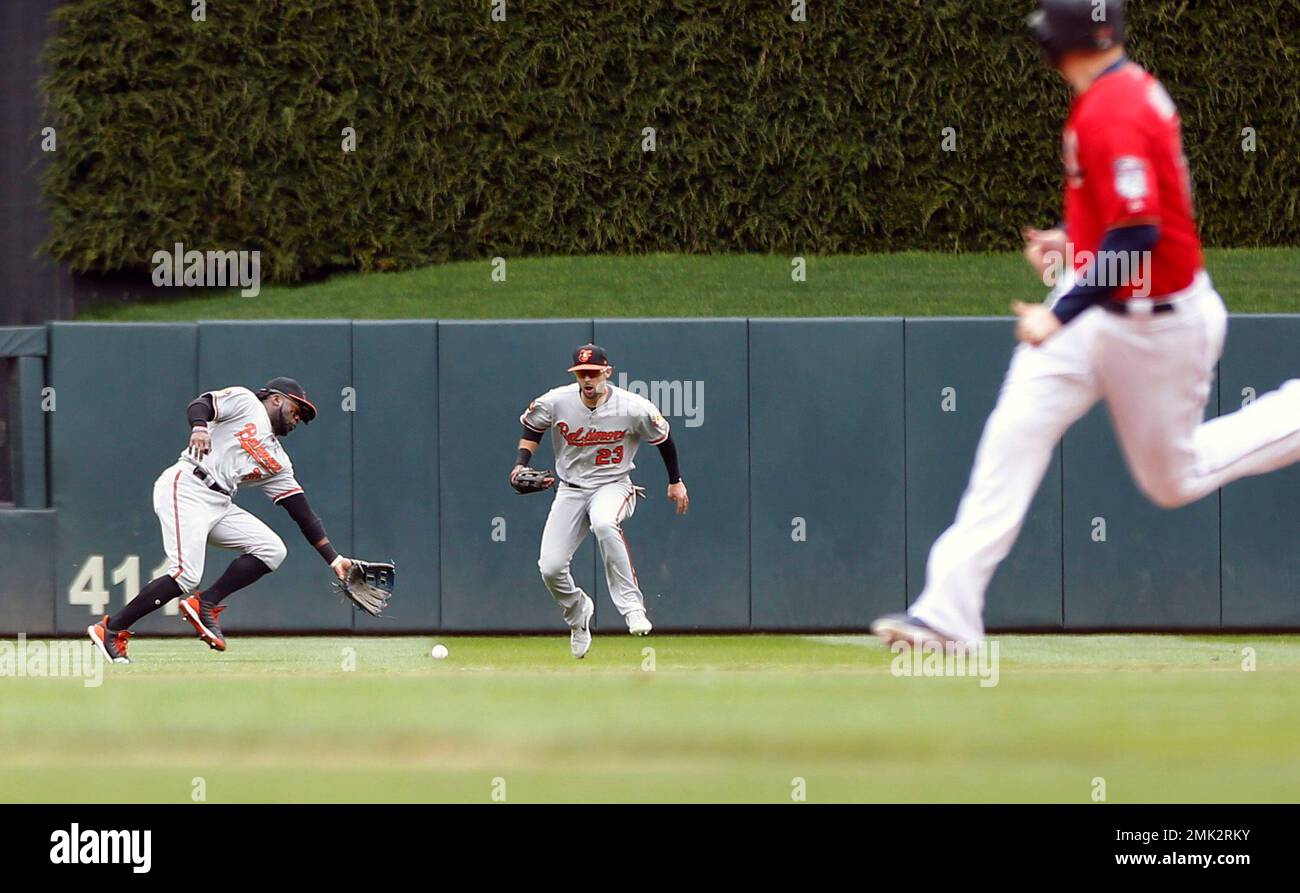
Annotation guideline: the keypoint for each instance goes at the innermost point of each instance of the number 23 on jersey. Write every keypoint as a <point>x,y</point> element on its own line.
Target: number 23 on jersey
<point>606,456</point>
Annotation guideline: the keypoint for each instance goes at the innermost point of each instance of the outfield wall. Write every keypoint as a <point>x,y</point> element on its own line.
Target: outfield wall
<point>823,456</point>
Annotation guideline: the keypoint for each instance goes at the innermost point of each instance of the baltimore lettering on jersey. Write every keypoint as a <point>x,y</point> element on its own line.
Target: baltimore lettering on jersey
<point>247,437</point>
<point>583,437</point>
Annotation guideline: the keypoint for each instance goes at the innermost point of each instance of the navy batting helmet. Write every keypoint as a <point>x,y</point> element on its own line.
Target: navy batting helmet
<point>1062,25</point>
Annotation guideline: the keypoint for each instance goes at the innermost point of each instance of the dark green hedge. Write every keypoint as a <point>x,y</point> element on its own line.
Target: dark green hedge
<point>478,138</point>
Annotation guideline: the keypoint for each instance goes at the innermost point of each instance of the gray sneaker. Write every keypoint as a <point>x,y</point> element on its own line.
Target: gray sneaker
<point>580,635</point>
<point>905,628</point>
<point>638,624</point>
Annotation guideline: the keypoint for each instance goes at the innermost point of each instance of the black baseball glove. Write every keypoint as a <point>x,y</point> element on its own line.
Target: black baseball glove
<point>532,480</point>
<point>369,585</point>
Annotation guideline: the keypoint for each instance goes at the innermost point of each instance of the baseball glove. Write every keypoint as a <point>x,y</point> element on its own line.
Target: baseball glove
<point>532,480</point>
<point>369,585</point>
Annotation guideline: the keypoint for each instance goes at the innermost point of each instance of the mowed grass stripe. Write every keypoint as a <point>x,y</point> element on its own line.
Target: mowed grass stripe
<point>671,285</point>
<point>721,718</point>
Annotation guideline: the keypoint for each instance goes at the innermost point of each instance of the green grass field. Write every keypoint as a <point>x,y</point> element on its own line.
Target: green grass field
<point>736,718</point>
<point>904,284</point>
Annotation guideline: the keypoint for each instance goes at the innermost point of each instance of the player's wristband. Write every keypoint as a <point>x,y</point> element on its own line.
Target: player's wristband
<point>525,457</point>
<point>328,552</point>
<point>199,426</point>
<point>201,410</point>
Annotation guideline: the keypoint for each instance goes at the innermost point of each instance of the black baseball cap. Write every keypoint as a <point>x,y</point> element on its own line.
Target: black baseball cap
<point>589,356</point>
<point>1063,25</point>
<point>288,387</point>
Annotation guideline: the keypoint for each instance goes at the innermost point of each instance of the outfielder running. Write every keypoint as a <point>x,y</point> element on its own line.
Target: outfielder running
<point>596,430</point>
<point>234,441</point>
<point>1147,346</point>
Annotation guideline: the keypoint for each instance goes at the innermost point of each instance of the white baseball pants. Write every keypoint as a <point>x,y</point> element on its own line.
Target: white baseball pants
<point>192,516</point>
<point>1155,373</point>
<point>601,510</point>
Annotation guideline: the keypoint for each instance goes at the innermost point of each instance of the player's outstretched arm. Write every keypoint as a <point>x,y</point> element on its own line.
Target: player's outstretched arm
<point>535,420</point>
<point>313,530</point>
<point>523,477</point>
<point>200,412</point>
<point>524,458</point>
<point>676,486</point>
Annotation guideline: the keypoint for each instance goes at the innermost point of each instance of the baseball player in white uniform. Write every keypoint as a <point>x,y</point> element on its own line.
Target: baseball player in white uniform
<point>596,429</point>
<point>1147,346</point>
<point>234,442</point>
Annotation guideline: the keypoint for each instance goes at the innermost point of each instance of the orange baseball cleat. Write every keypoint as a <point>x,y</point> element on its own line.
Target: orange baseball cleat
<point>111,644</point>
<point>205,620</point>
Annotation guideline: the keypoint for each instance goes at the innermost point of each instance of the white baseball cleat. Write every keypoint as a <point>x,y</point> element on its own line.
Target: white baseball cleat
<point>905,628</point>
<point>580,636</point>
<point>638,624</point>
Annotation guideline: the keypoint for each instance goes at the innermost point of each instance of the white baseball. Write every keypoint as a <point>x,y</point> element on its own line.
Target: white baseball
<point>439,652</point>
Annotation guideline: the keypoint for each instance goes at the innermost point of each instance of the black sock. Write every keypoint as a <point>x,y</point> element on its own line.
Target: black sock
<point>243,571</point>
<point>152,597</point>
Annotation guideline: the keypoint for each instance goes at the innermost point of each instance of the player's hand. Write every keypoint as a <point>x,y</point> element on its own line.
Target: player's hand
<point>1037,323</point>
<point>341,566</point>
<point>1045,250</point>
<point>514,471</point>
<point>677,493</point>
<point>200,443</point>
<point>1052,239</point>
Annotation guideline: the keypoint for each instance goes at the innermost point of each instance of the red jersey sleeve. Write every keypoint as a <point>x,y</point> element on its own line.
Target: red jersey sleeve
<point>1120,174</point>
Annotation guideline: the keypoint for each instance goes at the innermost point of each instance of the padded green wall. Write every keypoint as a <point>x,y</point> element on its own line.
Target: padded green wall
<point>820,457</point>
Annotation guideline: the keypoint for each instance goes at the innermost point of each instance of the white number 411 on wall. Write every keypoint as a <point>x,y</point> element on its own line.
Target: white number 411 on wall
<point>88,586</point>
